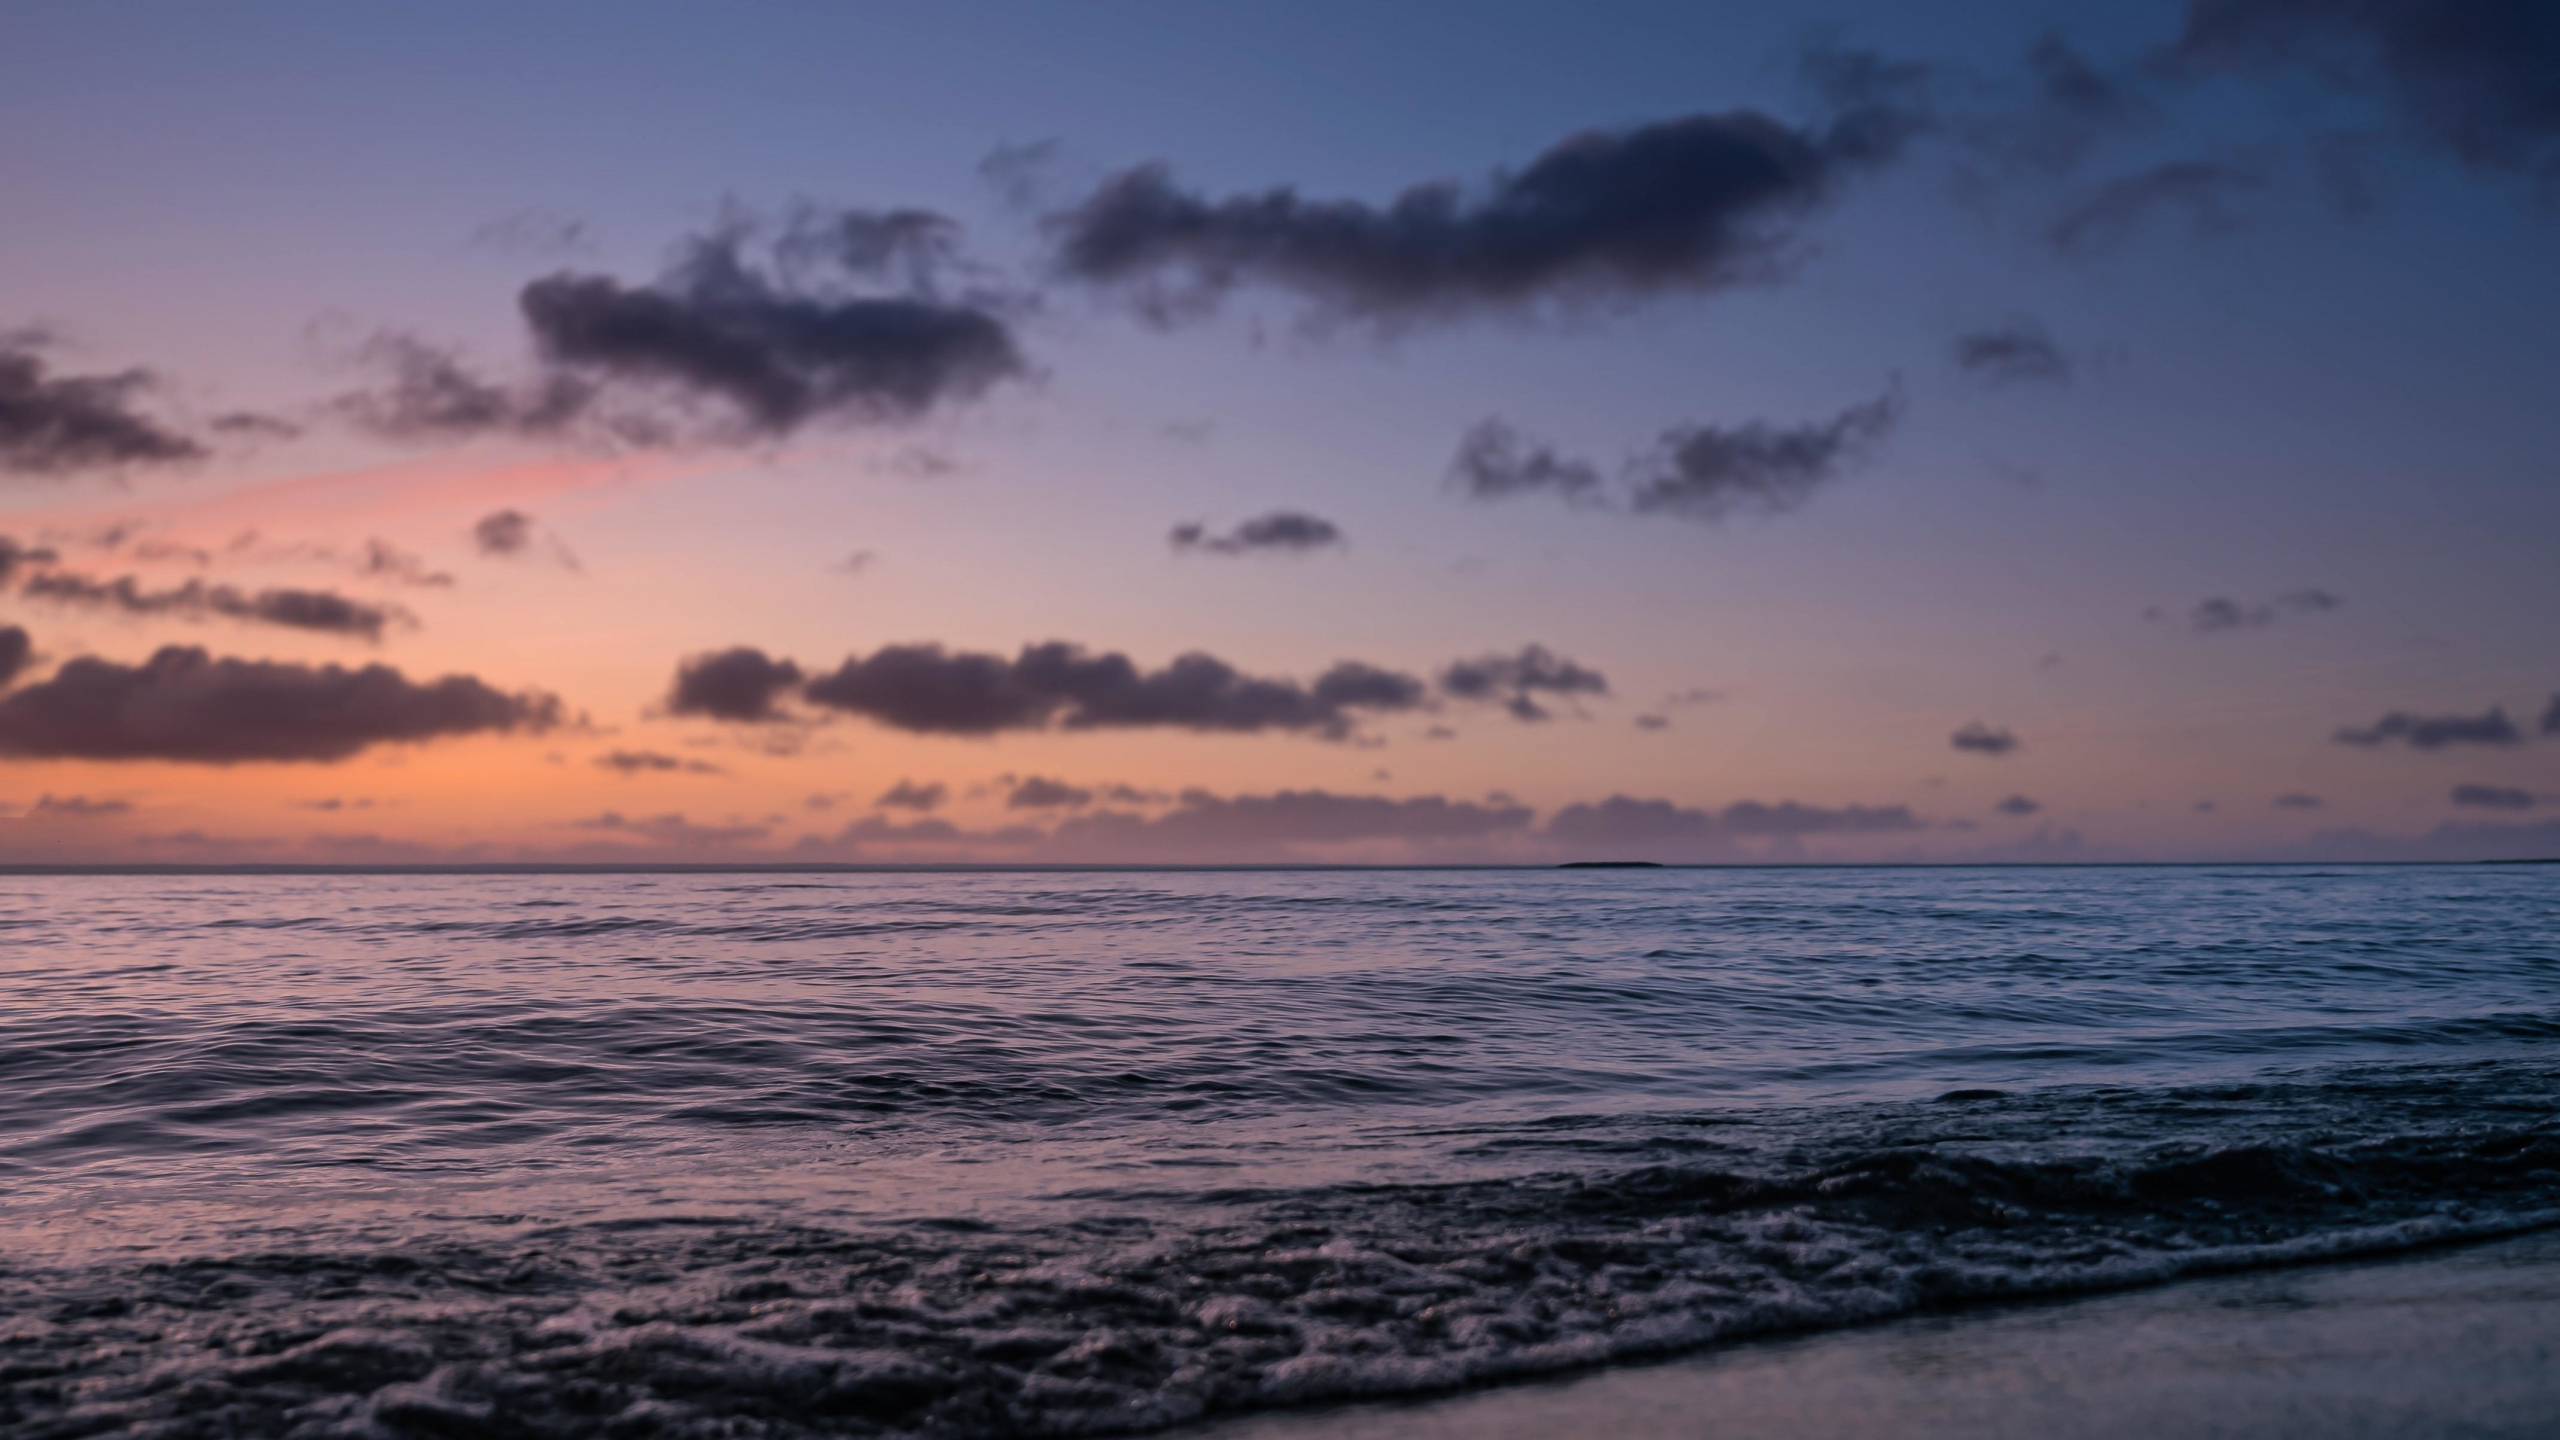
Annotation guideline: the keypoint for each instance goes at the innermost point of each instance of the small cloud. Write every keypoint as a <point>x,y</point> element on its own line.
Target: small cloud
<point>908,795</point>
<point>2018,351</point>
<point>1699,471</point>
<point>248,425</point>
<point>2220,613</point>
<point>2299,801</point>
<point>324,611</point>
<point>1517,680</point>
<point>503,533</point>
<point>740,683</point>
<point>649,762</point>
<point>537,234</point>
<point>671,829</point>
<point>385,561</point>
<point>2493,797</point>
<point>1038,792</point>
<point>506,534</point>
<point>1652,722</point>
<point>2434,732</point>
<point>1981,739</point>
<point>856,563</point>
<point>77,807</point>
<point>2017,805</point>
<point>1289,532</point>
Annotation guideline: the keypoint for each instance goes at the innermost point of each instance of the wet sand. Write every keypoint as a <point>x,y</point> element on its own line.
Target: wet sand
<point>2454,1342</point>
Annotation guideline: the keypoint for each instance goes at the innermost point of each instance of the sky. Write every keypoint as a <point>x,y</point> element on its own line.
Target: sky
<point>1324,433</point>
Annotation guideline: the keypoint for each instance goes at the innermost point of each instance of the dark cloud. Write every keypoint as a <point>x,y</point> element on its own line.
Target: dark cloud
<point>503,532</point>
<point>755,347</point>
<point>1352,685</point>
<point>1707,472</point>
<point>322,610</point>
<point>1518,680</point>
<point>740,683</point>
<point>2199,189</point>
<point>1698,472</point>
<point>908,795</point>
<point>2017,805</point>
<point>183,704</point>
<point>63,424</point>
<point>2221,613</point>
<point>782,347</point>
<point>1984,739</point>
<point>2493,797</point>
<point>1038,792</point>
<point>1652,722</point>
<point>2434,732</point>
<point>17,650</point>
<point>2551,716</point>
<point>15,557</point>
<point>1622,819</point>
<point>1699,203</point>
<point>2299,801</point>
<point>926,689</point>
<point>1290,531</point>
<point>1495,462</point>
<point>2479,77</point>
<point>2019,350</point>
<point>650,762</point>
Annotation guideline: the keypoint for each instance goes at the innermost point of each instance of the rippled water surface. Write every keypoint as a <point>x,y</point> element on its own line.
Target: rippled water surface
<point>1086,1153</point>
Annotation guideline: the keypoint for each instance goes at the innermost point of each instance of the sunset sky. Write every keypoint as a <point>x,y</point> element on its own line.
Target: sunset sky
<point>1156,432</point>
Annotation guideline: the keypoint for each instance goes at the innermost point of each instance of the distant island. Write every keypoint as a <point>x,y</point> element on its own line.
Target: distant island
<point>1610,865</point>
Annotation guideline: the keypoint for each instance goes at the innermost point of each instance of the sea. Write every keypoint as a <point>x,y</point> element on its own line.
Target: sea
<point>1052,1153</point>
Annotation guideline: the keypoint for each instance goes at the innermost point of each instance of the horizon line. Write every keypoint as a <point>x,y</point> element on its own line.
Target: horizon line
<point>38,869</point>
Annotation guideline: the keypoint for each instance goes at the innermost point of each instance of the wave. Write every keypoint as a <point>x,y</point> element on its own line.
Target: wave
<point>1129,1312</point>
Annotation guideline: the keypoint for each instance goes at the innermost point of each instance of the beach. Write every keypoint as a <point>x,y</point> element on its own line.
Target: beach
<point>2440,1343</point>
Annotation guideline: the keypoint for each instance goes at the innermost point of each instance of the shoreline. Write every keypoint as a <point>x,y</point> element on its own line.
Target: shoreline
<point>2460,1339</point>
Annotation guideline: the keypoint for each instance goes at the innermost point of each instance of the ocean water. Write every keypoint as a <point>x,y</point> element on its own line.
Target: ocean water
<point>946,1154</point>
